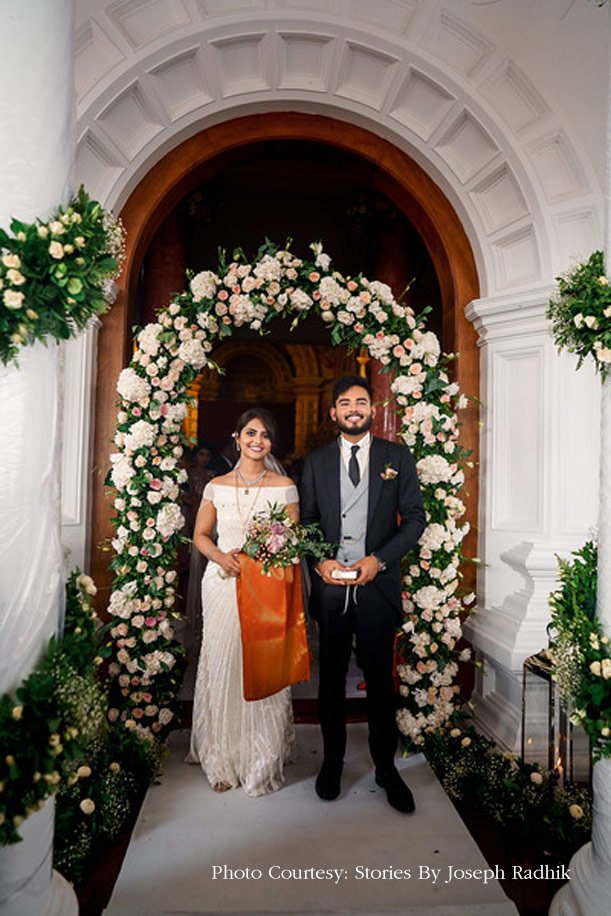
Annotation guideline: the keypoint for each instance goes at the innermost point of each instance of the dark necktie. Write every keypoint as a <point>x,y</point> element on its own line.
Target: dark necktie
<point>354,472</point>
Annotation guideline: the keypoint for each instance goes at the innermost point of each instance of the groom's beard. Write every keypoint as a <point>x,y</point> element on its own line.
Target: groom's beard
<point>353,429</point>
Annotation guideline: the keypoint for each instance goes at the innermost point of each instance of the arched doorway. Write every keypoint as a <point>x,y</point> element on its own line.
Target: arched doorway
<point>394,175</point>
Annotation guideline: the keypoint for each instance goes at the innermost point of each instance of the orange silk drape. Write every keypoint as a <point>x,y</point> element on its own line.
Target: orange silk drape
<point>275,649</point>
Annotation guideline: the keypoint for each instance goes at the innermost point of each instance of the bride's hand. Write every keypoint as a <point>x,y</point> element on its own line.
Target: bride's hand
<point>228,562</point>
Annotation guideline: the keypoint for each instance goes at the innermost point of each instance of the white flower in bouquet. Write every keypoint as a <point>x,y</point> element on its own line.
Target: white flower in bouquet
<point>131,386</point>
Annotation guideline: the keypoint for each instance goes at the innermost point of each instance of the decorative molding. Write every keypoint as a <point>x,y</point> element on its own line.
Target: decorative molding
<point>467,147</point>
<point>130,120</point>
<point>180,83</point>
<point>143,21</point>
<point>517,257</point>
<point>365,74</point>
<point>515,98</point>
<point>558,167</point>
<point>499,199</point>
<point>421,104</point>
<point>457,44</point>
<point>512,315</point>
<point>241,64</point>
<point>305,60</point>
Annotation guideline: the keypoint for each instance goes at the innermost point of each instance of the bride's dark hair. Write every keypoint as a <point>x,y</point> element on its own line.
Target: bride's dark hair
<point>258,413</point>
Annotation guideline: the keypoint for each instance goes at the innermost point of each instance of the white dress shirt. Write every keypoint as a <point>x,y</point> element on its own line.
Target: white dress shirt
<point>362,455</point>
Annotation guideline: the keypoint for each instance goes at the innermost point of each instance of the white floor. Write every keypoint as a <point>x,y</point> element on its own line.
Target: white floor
<point>196,852</point>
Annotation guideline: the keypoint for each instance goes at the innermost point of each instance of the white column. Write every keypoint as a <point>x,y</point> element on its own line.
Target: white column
<point>37,149</point>
<point>589,891</point>
<point>538,495</point>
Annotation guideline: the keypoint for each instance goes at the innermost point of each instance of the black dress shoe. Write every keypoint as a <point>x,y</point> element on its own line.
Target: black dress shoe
<point>397,793</point>
<point>329,780</point>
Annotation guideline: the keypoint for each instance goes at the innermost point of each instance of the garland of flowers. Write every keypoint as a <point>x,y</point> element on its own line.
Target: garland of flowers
<point>147,477</point>
<point>54,275</point>
<point>581,313</point>
<point>580,652</point>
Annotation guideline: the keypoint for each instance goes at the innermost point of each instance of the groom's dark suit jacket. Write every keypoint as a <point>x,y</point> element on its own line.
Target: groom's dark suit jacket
<point>395,517</point>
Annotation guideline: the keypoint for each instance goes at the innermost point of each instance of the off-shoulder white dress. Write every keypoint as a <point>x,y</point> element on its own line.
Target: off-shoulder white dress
<point>239,742</point>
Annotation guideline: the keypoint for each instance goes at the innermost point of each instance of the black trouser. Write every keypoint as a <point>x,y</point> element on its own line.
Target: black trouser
<point>369,617</point>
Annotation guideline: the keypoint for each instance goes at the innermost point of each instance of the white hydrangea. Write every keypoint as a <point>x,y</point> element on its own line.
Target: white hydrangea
<point>331,291</point>
<point>121,602</point>
<point>141,435</point>
<point>148,339</point>
<point>427,349</point>
<point>434,537</point>
<point>268,268</point>
<point>300,300</point>
<point>429,596</point>
<point>131,386</point>
<point>203,285</point>
<point>381,291</point>
<point>122,470</point>
<point>169,520</point>
<point>193,353</point>
<point>405,385</point>
<point>434,469</point>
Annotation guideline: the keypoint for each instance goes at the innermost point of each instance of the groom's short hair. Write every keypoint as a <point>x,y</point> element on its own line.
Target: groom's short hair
<point>349,381</point>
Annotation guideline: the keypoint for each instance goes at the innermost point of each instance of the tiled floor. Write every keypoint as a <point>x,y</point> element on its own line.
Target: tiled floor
<point>194,852</point>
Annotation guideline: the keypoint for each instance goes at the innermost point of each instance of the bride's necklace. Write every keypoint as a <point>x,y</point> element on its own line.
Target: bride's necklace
<point>250,483</point>
<point>245,521</point>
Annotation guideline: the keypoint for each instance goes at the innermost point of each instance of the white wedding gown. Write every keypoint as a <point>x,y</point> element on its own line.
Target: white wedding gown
<point>238,742</point>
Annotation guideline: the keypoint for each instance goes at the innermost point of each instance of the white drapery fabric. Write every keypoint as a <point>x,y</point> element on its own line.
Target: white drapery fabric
<point>37,151</point>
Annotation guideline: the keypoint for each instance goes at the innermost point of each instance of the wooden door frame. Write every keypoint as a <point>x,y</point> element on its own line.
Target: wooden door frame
<point>176,174</point>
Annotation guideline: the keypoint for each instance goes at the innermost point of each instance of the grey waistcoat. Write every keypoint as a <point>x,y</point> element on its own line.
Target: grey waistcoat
<point>353,508</point>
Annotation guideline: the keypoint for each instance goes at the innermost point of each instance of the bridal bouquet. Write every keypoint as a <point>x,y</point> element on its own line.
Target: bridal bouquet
<point>274,539</point>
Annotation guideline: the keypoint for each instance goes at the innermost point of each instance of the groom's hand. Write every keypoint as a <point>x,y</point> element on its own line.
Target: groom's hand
<point>368,569</point>
<point>326,567</point>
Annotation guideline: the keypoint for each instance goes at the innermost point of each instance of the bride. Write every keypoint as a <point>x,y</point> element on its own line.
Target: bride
<point>237,742</point>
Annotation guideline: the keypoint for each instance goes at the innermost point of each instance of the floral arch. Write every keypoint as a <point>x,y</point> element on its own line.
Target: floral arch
<point>147,477</point>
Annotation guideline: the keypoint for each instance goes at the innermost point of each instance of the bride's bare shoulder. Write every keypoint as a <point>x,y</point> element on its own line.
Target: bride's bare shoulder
<point>278,480</point>
<point>224,479</point>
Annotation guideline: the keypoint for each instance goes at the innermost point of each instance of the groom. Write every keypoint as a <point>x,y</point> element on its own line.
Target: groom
<point>364,493</point>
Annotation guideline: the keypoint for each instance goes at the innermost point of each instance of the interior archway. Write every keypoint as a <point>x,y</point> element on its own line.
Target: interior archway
<point>395,175</point>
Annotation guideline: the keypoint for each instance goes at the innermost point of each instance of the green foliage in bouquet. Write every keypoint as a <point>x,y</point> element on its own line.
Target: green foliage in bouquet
<point>53,273</point>
<point>275,539</point>
<point>580,652</point>
<point>581,313</point>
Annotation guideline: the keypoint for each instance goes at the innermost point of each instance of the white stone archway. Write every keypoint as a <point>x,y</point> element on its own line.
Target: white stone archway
<point>431,79</point>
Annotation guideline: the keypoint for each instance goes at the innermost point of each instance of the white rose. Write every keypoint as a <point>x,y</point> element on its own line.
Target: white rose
<point>12,299</point>
<point>56,250</point>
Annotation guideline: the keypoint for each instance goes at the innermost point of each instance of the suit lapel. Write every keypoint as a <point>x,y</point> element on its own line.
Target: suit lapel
<point>332,470</point>
<point>376,467</point>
